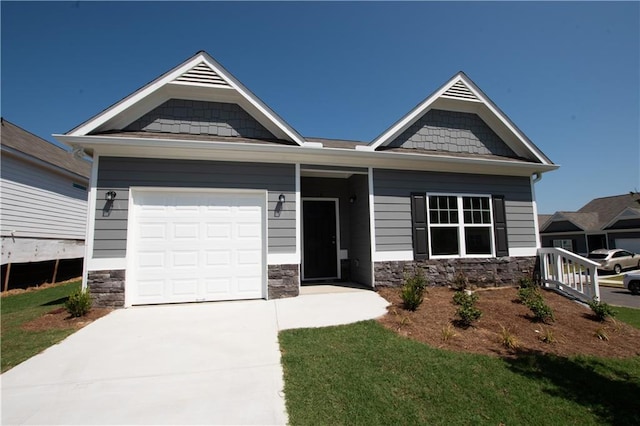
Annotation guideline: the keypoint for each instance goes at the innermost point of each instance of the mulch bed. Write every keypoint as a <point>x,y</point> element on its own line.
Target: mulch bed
<point>574,327</point>
<point>59,318</point>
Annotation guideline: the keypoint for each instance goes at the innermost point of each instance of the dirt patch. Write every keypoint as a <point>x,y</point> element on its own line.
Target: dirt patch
<point>60,318</point>
<point>574,328</point>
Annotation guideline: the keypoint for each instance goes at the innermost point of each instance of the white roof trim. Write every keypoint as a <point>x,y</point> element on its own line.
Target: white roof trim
<point>459,89</point>
<point>184,74</point>
<point>626,213</point>
<point>278,153</point>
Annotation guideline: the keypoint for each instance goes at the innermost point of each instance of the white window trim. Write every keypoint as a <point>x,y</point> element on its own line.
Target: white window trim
<point>461,226</point>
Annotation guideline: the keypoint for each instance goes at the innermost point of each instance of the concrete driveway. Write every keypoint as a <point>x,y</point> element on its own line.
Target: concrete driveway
<point>210,363</point>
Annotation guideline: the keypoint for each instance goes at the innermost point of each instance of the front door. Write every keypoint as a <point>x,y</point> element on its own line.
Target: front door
<point>320,249</point>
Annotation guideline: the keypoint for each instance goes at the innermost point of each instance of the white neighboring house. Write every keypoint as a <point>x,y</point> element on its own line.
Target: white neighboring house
<point>43,200</point>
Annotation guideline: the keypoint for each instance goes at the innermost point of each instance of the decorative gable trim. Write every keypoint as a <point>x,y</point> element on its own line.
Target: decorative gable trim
<point>199,78</point>
<point>202,74</point>
<point>462,95</point>
<point>459,90</point>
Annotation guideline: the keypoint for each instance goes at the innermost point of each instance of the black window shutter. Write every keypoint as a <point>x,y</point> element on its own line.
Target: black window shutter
<point>500,226</point>
<point>419,225</point>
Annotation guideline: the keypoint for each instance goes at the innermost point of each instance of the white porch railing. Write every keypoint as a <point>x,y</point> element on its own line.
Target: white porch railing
<point>569,273</point>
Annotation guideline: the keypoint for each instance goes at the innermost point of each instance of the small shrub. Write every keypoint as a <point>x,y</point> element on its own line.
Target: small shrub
<point>541,311</point>
<point>547,336</point>
<point>508,339</point>
<point>463,298</point>
<point>79,303</point>
<point>460,282</point>
<point>601,310</point>
<point>601,333</point>
<point>468,314</point>
<point>526,282</point>
<point>447,333</point>
<point>412,292</point>
<point>527,295</point>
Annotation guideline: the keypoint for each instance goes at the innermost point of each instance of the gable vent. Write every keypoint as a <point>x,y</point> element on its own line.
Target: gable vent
<point>202,74</point>
<point>460,91</point>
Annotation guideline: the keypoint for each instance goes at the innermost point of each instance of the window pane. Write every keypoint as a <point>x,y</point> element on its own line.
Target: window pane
<point>477,240</point>
<point>433,202</point>
<point>453,216</point>
<point>485,203</point>
<point>444,241</point>
<point>467,217</point>
<point>466,203</point>
<point>477,217</point>
<point>486,218</point>
<point>433,217</point>
<point>453,202</point>
<point>475,203</point>
<point>444,217</point>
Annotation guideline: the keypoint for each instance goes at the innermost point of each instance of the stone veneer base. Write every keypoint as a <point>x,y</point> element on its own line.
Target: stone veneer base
<point>106,288</point>
<point>494,272</point>
<point>284,281</point>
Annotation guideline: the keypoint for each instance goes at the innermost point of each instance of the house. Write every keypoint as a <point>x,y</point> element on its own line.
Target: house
<point>43,203</point>
<point>607,222</point>
<point>200,191</point>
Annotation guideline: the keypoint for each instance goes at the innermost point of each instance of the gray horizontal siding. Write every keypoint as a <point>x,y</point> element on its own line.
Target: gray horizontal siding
<point>119,174</point>
<point>392,206</point>
<point>38,203</point>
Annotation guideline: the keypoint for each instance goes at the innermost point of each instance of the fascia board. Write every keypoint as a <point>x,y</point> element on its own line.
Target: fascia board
<point>404,122</point>
<point>97,121</point>
<point>174,148</point>
<point>130,101</point>
<point>254,100</point>
<point>497,112</point>
<point>464,106</point>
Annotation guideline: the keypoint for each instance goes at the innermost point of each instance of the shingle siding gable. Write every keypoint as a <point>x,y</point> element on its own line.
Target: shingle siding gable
<point>450,131</point>
<point>201,118</point>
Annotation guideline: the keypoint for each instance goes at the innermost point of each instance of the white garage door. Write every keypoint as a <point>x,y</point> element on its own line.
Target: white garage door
<point>197,246</point>
<point>630,244</point>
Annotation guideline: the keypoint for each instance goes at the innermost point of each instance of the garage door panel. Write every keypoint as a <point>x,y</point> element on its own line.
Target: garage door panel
<point>217,286</point>
<point>186,231</point>
<point>218,231</point>
<point>217,258</point>
<point>630,244</point>
<point>201,246</point>
<point>183,259</point>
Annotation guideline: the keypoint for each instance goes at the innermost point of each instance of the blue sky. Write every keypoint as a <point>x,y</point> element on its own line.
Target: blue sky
<point>568,74</point>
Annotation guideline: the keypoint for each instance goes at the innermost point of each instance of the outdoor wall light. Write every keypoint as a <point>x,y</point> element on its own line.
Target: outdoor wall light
<point>281,198</point>
<point>353,199</point>
<point>110,196</point>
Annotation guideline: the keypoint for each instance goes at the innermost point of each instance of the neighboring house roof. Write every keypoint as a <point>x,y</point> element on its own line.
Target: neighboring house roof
<point>599,213</point>
<point>17,139</point>
<point>543,218</point>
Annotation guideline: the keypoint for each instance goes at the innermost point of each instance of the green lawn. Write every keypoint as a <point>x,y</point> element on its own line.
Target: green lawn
<point>628,315</point>
<point>19,345</point>
<point>364,374</point>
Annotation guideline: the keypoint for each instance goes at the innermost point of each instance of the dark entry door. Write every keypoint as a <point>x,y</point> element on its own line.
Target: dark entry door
<point>320,239</point>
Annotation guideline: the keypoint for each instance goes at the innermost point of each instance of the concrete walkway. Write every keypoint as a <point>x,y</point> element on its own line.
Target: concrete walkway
<point>209,363</point>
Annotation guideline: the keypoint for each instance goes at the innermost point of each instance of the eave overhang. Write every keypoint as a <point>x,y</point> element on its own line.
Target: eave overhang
<point>274,153</point>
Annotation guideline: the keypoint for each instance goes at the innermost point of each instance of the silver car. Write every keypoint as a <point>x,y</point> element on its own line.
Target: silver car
<point>631,281</point>
<point>615,260</point>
